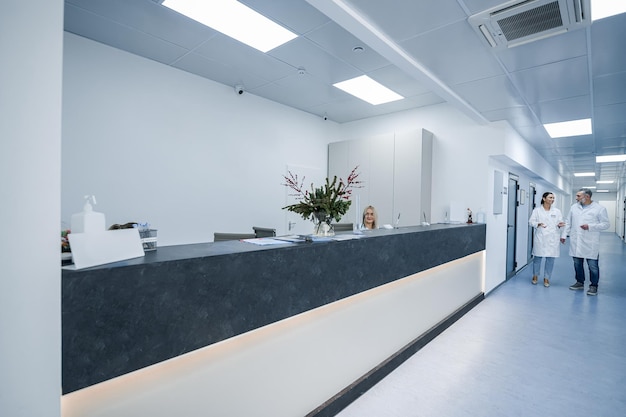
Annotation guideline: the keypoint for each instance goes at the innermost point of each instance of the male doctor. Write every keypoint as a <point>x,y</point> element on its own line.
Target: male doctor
<point>585,221</point>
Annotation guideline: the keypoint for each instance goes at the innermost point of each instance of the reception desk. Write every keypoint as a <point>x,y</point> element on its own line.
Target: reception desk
<point>122,317</point>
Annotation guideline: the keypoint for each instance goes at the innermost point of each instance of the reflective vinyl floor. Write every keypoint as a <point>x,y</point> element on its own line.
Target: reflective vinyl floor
<point>526,350</point>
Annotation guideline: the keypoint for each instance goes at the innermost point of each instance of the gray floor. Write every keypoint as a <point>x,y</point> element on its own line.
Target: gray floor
<point>525,351</point>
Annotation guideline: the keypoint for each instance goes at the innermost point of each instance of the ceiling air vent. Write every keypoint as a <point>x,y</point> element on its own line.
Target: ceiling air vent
<point>516,22</point>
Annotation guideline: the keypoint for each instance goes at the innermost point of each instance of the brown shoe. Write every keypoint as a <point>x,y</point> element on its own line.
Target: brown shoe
<point>546,282</point>
<point>534,281</point>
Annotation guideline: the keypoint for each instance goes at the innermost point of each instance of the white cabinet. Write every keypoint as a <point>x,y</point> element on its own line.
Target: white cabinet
<point>396,170</point>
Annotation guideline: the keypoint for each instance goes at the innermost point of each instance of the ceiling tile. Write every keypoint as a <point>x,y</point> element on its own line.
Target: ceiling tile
<point>220,72</point>
<point>103,30</point>
<point>301,52</point>
<point>548,82</point>
<point>454,53</point>
<point>236,55</point>
<point>146,17</point>
<point>572,108</point>
<point>607,43</point>
<point>611,114</point>
<point>340,43</point>
<point>610,89</point>
<point>545,51</point>
<point>300,91</point>
<point>489,94</point>
<point>397,80</point>
<point>402,20</point>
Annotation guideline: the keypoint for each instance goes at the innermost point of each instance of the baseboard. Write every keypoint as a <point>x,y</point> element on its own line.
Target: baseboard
<point>342,399</point>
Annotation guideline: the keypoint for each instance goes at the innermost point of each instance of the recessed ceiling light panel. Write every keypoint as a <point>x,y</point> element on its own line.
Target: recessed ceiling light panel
<point>570,128</point>
<point>610,158</point>
<point>584,174</point>
<point>236,20</point>
<point>366,89</point>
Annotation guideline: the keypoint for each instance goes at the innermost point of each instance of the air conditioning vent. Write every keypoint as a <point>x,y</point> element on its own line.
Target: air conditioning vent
<point>514,23</point>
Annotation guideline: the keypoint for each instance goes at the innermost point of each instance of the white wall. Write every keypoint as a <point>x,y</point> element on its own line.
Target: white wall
<point>459,151</point>
<point>186,154</point>
<point>30,165</point>
<point>465,155</point>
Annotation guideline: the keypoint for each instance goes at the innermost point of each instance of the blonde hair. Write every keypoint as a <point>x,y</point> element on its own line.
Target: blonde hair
<point>375,224</point>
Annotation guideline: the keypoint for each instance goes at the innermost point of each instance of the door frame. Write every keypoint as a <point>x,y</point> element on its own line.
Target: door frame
<point>511,229</point>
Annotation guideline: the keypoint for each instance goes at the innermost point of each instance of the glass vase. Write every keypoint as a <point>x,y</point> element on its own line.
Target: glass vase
<point>323,224</point>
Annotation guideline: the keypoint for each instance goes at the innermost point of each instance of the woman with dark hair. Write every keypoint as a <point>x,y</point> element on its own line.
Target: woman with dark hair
<point>546,220</point>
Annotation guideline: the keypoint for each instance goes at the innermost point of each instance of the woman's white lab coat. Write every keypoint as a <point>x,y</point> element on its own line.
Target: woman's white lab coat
<point>585,243</point>
<point>547,239</point>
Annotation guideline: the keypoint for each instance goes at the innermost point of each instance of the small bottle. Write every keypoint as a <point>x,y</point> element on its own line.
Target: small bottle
<point>480,216</point>
<point>88,221</point>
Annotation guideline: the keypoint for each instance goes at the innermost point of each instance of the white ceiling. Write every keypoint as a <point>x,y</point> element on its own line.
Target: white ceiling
<point>426,51</point>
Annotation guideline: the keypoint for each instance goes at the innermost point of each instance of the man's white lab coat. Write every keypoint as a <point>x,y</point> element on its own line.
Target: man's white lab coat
<point>585,243</point>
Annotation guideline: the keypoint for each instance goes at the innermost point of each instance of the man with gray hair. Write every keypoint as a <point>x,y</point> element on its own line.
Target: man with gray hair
<point>583,225</point>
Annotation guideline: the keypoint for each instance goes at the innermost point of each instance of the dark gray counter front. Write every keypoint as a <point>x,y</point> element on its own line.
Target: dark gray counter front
<point>121,317</point>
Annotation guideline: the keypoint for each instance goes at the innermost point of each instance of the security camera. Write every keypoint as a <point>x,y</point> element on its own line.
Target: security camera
<point>239,89</point>
<point>325,117</point>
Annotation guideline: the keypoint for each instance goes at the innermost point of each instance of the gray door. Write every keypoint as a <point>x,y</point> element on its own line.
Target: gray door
<point>624,221</point>
<point>532,192</point>
<point>511,230</point>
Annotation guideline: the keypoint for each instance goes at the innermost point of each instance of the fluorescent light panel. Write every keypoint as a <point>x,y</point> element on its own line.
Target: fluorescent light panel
<point>606,8</point>
<point>570,128</point>
<point>605,182</point>
<point>235,20</point>
<point>610,158</point>
<point>602,191</point>
<point>366,89</point>
<point>584,174</point>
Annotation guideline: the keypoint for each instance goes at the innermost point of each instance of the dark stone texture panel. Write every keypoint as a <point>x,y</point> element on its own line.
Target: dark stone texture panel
<point>121,317</point>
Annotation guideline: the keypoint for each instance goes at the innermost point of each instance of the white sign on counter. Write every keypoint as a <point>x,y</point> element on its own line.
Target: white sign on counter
<point>97,248</point>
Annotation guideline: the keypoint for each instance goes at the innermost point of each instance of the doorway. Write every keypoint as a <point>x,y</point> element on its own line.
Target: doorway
<point>511,225</point>
<point>532,192</point>
<point>624,221</point>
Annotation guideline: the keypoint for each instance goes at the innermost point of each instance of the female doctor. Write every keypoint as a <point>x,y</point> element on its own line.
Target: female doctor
<point>546,220</point>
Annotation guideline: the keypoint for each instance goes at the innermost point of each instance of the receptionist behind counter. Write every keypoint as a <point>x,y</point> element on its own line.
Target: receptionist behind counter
<point>370,218</point>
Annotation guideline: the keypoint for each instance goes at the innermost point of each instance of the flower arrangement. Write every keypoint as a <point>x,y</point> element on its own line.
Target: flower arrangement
<point>330,201</point>
<point>65,242</point>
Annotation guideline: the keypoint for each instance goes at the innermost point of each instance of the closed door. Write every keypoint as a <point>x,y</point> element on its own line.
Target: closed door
<point>511,230</point>
<point>532,192</point>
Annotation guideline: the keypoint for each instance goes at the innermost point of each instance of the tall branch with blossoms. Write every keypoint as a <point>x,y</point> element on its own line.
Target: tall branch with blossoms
<point>330,201</point>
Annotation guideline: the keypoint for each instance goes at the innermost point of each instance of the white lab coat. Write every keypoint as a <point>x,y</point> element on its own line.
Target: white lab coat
<point>585,243</point>
<point>547,241</point>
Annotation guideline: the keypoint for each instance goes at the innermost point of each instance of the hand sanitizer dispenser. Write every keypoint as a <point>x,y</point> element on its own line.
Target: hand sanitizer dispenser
<point>88,221</point>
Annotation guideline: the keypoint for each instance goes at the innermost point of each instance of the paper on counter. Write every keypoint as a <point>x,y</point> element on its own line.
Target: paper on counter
<point>265,241</point>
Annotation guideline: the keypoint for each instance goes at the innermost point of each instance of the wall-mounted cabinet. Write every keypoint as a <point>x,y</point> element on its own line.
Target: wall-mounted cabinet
<point>396,170</point>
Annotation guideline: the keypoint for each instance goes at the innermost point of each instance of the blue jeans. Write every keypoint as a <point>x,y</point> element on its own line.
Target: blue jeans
<point>547,268</point>
<point>594,270</point>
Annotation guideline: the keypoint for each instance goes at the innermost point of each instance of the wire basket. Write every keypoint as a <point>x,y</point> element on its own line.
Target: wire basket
<point>148,239</point>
